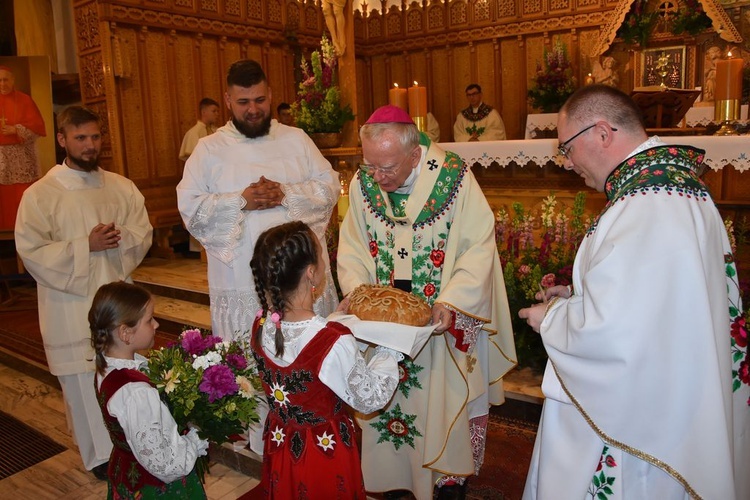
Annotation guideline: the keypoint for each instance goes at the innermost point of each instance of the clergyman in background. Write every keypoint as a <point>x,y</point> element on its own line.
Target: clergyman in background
<point>208,109</point>
<point>479,121</point>
<point>284,114</point>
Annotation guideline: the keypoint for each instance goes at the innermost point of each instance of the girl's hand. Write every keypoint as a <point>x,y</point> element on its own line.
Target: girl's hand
<point>343,305</point>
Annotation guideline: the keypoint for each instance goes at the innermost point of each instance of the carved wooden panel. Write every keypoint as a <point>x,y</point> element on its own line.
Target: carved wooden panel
<point>87,27</point>
<point>418,65</point>
<point>557,5</point>
<point>364,100</point>
<point>398,74</point>
<point>292,15</point>
<point>311,18</point>
<point>254,52</point>
<point>232,8</point>
<point>232,53</point>
<point>189,4</point>
<point>190,92</point>
<point>513,67</point>
<point>414,18</point>
<point>359,28</point>
<point>461,57</point>
<point>486,75</point>
<point>255,9</point>
<point>482,11</point>
<point>441,86</point>
<point>211,6</point>
<point>458,13</point>
<point>506,8</point>
<point>435,16</point>
<point>393,22</point>
<point>532,7</point>
<point>130,97</point>
<point>374,27</point>
<point>210,70</point>
<point>274,11</point>
<point>379,84</point>
<point>276,72</point>
<point>161,131</point>
<point>92,78</point>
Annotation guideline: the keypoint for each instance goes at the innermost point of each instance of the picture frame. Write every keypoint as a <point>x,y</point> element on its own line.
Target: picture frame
<point>675,69</point>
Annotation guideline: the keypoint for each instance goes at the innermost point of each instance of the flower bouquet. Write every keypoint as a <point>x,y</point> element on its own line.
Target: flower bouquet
<point>554,83</point>
<point>207,383</point>
<point>638,24</point>
<point>318,107</point>
<point>527,266</point>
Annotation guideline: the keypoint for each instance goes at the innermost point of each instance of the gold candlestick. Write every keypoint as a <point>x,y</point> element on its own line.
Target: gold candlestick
<point>420,122</point>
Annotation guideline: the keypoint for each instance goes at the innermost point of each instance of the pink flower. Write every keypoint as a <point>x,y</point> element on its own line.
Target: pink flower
<point>524,270</point>
<point>218,381</point>
<point>548,280</point>
<point>744,372</point>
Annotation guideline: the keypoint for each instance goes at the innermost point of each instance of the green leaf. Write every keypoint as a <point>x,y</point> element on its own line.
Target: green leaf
<point>601,496</point>
<point>596,481</point>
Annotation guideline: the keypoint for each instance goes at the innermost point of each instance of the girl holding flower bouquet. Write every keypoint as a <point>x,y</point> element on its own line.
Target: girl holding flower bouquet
<point>310,369</point>
<point>150,458</point>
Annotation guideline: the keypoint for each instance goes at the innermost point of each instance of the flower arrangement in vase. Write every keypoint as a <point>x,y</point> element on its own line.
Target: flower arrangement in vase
<point>554,82</point>
<point>638,24</point>
<point>318,106</point>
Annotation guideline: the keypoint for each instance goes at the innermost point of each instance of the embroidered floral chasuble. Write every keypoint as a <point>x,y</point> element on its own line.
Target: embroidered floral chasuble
<point>439,241</point>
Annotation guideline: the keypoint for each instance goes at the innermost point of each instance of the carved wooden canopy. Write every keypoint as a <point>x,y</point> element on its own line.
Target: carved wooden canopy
<point>720,22</point>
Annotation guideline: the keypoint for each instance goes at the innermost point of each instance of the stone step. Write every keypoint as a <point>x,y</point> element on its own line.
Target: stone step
<point>182,312</point>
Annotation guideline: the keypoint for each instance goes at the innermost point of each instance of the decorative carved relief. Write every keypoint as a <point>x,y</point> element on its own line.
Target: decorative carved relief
<point>87,27</point>
<point>232,7</point>
<point>210,5</point>
<point>292,15</point>
<point>435,18</point>
<point>274,11</point>
<point>414,20</point>
<point>458,13</point>
<point>92,76</point>
<point>183,3</point>
<point>311,17</point>
<point>359,28</point>
<point>393,26</point>
<point>255,9</point>
<point>506,8</point>
<point>565,4</point>
<point>373,27</point>
<point>588,3</point>
<point>532,6</point>
<point>482,11</point>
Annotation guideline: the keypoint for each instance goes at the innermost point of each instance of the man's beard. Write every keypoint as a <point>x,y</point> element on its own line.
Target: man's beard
<point>85,165</point>
<point>253,131</point>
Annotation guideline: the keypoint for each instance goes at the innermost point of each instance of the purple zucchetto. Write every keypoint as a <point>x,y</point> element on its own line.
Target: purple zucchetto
<point>389,114</point>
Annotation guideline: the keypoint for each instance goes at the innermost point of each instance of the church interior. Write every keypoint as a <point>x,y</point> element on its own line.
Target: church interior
<point>143,66</point>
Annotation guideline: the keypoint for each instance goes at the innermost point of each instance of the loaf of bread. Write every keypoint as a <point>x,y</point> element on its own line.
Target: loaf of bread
<point>384,303</point>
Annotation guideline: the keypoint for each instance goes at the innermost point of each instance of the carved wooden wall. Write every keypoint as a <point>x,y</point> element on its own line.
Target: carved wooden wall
<point>144,64</point>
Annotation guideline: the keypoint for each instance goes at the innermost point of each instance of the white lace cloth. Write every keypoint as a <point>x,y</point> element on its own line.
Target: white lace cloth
<point>720,151</point>
<point>149,427</point>
<point>366,386</point>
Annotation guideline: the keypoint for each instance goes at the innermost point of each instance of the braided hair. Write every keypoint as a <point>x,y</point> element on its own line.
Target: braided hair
<point>115,304</point>
<point>281,255</point>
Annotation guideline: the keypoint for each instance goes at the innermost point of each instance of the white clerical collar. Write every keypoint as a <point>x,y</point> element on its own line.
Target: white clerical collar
<point>649,143</point>
<point>73,179</point>
<point>476,110</point>
<point>408,186</point>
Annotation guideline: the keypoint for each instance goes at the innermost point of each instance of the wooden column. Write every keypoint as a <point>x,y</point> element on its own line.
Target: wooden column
<point>348,80</point>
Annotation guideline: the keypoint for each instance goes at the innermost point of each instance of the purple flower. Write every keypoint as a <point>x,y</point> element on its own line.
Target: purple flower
<point>218,381</point>
<point>195,344</point>
<point>237,361</point>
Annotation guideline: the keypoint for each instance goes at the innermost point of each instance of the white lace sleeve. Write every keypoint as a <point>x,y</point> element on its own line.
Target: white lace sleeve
<point>364,386</point>
<point>152,433</point>
<point>217,224</point>
<point>310,202</point>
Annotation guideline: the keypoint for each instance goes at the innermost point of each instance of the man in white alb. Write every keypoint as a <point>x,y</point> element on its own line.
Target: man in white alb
<point>478,122</point>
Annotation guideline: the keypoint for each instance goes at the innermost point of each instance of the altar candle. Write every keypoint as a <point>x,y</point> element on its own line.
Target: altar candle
<point>728,79</point>
<point>397,97</point>
<point>417,101</point>
<point>589,79</point>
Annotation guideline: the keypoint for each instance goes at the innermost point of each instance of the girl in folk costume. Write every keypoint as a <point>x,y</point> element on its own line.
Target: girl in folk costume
<point>311,370</point>
<point>150,458</point>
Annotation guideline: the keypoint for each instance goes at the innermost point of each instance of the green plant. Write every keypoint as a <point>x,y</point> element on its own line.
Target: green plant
<point>690,19</point>
<point>527,266</point>
<point>554,82</point>
<point>318,106</point>
<point>638,24</point>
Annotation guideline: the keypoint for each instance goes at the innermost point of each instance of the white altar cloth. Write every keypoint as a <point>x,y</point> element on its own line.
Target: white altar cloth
<point>721,151</point>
